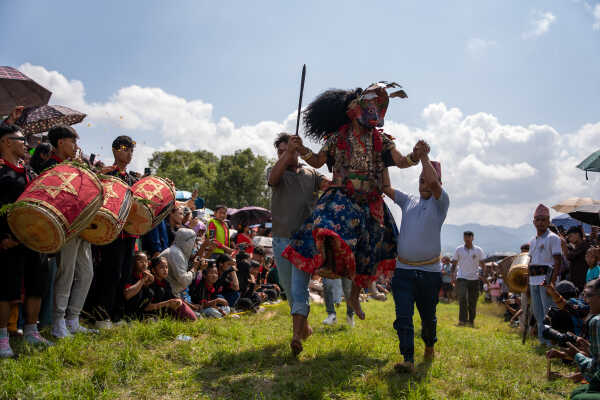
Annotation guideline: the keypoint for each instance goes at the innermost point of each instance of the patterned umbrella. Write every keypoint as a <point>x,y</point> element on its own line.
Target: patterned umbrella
<point>17,89</point>
<point>250,216</point>
<point>572,204</point>
<point>42,118</point>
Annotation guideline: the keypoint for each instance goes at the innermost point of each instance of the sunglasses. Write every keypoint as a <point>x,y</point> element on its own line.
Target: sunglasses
<point>20,138</point>
<point>125,147</point>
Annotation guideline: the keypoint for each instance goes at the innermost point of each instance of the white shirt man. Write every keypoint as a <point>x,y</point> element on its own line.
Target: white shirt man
<point>542,250</point>
<point>468,261</point>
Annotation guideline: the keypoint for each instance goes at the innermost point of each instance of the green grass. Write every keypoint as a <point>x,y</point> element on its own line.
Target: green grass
<point>249,358</point>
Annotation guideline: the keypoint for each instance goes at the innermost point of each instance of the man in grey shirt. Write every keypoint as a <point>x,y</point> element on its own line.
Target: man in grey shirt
<point>294,193</point>
<point>417,279</point>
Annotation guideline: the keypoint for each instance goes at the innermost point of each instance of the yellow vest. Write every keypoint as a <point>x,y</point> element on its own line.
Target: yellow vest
<point>222,233</point>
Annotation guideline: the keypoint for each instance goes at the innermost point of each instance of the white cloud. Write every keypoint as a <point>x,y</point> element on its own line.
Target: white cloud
<point>540,24</point>
<point>477,46</point>
<point>494,173</point>
<point>596,15</point>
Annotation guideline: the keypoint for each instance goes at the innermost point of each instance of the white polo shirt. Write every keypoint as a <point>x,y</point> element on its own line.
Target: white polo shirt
<point>542,250</point>
<point>468,262</point>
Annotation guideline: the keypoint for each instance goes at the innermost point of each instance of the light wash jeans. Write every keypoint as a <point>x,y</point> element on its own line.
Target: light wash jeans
<point>212,312</point>
<point>540,303</point>
<point>294,281</point>
<point>332,290</point>
<point>73,278</point>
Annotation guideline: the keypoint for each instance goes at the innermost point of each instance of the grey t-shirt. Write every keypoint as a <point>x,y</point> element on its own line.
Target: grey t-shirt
<point>293,200</point>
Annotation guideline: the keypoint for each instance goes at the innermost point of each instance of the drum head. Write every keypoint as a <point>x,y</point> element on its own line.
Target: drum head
<point>139,221</point>
<point>37,228</point>
<point>104,229</point>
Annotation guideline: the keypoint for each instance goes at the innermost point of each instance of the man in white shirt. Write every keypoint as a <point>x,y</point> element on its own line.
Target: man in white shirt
<point>544,249</point>
<point>468,258</point>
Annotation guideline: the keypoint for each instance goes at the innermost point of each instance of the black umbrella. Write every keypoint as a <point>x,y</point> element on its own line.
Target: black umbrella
<point>42,118</point>
<point>16,89</point>
<point>250,216</point>
<point>587,214</point>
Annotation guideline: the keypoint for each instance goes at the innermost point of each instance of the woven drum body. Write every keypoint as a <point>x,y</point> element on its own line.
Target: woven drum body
<point>153,200</point>
<point>110,219</point>
<point>55,207</point>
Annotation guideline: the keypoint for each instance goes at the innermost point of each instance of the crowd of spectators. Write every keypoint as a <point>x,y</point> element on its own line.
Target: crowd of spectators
<point>187,267</point>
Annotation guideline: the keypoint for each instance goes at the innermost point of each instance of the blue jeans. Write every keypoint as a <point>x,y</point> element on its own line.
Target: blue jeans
<point>293,281</point>
<point>540,303</point>
<point>331,294</point>
<point>410,287</point>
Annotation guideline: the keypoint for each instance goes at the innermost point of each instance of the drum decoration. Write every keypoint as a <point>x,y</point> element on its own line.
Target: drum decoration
<point>153,200</point>
<point>110,219</point>
<point>55,207</point>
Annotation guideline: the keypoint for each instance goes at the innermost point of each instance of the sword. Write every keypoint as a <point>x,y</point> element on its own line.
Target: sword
<point>300,100</point>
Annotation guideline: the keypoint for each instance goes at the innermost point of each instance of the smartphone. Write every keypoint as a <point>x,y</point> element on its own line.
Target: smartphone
<point>195,214</point>
<point>212,234</point>
<point>549,274</point>
<point>92,158</point>
<point>147,171</point>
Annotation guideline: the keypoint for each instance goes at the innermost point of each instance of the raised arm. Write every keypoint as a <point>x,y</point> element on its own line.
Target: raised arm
<point>387,185</point>
<point>431,178</point>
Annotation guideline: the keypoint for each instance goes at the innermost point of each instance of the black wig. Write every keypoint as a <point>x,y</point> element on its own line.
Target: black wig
<point>327,113</point>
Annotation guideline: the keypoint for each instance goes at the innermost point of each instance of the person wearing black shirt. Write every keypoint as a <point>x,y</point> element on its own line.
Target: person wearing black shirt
<point>24,266</point>
<point>228,285</point>
<point>116,259</point>
<point>136,293</point>
<point>162,296</point>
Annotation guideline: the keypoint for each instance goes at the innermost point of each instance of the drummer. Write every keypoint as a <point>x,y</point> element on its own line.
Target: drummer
<point>117,258</point>
<point>75,271</point>
<point>14,177</point>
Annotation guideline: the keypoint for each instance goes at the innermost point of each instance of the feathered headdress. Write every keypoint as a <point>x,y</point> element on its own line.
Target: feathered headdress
<point>331,109</point>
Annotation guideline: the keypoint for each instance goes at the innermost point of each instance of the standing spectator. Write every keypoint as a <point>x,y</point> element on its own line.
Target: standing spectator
<point>21,265</point>
<point>544,249</point>
<point>446,278</point>
<point>591,258</point>
<point>417,278</point>
<point>173,223</point>
<point>218,232</point>
<point>469,259</point>
<point>294,193</point>
<point>116,259</point>
<point>75,270</point>
<point>575,253</point>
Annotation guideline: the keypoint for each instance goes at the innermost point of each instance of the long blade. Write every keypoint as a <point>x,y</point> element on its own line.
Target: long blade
<point>300,100</point>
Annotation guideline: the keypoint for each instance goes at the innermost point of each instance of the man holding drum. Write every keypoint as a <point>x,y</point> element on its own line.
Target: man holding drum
<point>117,258</point>
<point>22,264</point>
<point>75,270</point>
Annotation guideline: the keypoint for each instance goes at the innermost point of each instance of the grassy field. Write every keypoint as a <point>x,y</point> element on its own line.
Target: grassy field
<point>249,358</point>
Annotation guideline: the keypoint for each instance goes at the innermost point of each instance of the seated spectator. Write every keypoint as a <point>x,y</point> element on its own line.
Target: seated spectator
<point>570,312</point>
<point>227,285</point>
<point>178,257</point>
<point>205,295</point>
<point>187,216</point>
<point>162,297</point>
<point>135,293</point>
<point>591,259</point>
<point>247,272</point>
<point>173,223</point>
<point>244,236</point>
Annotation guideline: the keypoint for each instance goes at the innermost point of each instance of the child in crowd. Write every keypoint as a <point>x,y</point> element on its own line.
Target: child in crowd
<point>591,258</point>
<point>247,272</point>
<point>228,285</point>
<point>494,287</point>
<point>161,295</point>
<point>205,296</point>
<point>136,292</point>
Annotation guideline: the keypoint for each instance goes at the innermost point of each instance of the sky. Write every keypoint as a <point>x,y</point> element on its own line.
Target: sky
<point>507,93</point>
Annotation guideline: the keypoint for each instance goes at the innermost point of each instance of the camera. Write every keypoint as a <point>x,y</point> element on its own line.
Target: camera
<point>561,338</point>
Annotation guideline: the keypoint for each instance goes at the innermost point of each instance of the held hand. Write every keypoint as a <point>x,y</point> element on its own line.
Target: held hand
<point>108,168</point>
<point>251,279</point>
<point>174,304</point>
<point>8,244</point>
<point>222,302</point>
<point>15,114</point>
<point>295,144</point>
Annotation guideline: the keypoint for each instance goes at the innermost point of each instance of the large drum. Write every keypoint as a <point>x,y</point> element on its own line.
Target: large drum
<point>55,207</point>
<point>110,219</point>
<point>153,199</point>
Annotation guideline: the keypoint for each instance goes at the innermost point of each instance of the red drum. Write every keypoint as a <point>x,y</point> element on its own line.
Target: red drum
<point>110,219</point>
<point>153,200</point>
<point>55,207</point>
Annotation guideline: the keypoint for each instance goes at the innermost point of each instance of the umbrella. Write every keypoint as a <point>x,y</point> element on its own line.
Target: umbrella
<point>250,216</point>
<point>182,195</point>
<point>573,203</point>
<point>16,89</point>
<point>587,214</point>
<point>42,118</point>
<point>591,163</point>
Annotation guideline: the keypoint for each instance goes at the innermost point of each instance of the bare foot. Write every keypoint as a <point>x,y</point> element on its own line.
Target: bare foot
<point>429,353</point>
<point>354,301</point>
<point>296,347</point>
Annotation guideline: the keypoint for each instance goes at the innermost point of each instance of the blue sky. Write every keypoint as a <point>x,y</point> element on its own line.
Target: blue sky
<point>490,83</point>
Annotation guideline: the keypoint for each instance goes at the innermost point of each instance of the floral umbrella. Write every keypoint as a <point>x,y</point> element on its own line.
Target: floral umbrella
<point>42,118</point>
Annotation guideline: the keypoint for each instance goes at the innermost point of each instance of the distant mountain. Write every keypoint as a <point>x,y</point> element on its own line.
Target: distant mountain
<point>491,238</point>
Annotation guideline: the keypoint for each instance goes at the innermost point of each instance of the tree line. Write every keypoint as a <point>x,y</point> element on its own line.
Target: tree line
<point>236,180</point>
